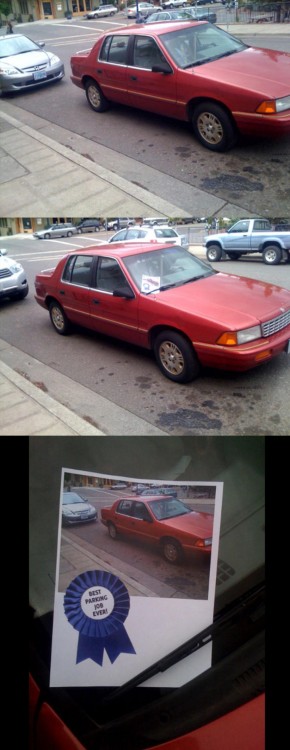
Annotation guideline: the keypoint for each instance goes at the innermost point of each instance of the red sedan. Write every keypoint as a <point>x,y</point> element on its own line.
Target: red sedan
<point>191,71</point>
<point>163,298</point>
<point>165,521</point>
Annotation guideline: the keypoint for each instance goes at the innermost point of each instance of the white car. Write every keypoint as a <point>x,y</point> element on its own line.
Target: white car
<point>174,3</point>
<point>103,10</point>
<point>13,281</point>
<point>144,233</point>
<point>56,230</point>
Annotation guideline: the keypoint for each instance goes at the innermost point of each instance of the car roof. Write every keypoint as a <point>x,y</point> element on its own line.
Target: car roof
<point>147,28</point>
<point>121,249</point>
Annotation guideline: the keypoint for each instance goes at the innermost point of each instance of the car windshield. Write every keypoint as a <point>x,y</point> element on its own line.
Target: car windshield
<point>195,45</point>
<point>164,268</point>
<point>168,508</point>
<point>71,498</point>
<point>16,46</point>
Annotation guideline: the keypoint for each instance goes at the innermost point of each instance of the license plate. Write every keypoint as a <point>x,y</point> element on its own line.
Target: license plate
<point>39,74</point>
<point>288,347</point>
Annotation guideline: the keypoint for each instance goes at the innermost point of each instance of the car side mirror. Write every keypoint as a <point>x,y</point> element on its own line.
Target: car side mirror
<point>3,251</point>
<point>123,291</point>
<point>41,44</point>
<point>162,68</point>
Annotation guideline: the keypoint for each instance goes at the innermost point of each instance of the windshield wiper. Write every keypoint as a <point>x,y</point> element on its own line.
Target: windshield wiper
<point>254,597</point>
<point>211,59</point>
<point>163,287</point>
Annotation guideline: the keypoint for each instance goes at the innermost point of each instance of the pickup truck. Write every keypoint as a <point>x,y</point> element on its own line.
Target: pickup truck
<point>249,236</point>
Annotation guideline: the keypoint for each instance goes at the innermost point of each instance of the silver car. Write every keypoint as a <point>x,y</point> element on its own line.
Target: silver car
<point>150,234</point>
<point>13,281</point>
<point>56,230</point>
<point>25,64</point>
<point>103,10</point>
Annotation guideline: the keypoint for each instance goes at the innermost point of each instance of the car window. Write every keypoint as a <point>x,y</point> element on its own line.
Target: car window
<point>194,45</point>
<point>114,49</point>
<point>126,507</point>
<point>110,275</point>
<point>240,226</point>
<point>78,270</point>
<point>165,232</point>
<point>146,53</point>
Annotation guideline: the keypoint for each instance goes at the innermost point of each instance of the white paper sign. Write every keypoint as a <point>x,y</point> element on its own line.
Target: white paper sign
<point>135,577</point>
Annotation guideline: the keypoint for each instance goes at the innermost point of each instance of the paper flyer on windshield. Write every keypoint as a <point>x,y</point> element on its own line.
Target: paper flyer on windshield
<point>135,577</point>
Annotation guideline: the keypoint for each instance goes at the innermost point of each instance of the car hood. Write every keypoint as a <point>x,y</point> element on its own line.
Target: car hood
<point>28,59</point>
<point>199,524</point>
<point>6,262</point>
<point>77,508</point>
<point>234,302</point>
<point>259,70</point>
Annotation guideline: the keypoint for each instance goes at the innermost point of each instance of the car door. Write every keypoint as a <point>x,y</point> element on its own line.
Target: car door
<point>111,67</point>
<point>152,91</point>
<point>115,315</point>
<point>74,289</point>
<point>237,237</point>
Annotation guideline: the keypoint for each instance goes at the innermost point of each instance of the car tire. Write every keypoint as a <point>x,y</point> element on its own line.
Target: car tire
<point>214,253</point>
<point>112,531</point>
<point>176,357</point>
<point>58,318</point>
<point>46,236</point>
<point>214,127</point>
<point>272,255</point>
<point>234,256</point>
<point>95,96</point>
<point>171,550</point>
<point>69,234</point>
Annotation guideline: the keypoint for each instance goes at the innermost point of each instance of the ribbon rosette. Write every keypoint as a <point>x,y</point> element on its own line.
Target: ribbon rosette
<point>97,603</point>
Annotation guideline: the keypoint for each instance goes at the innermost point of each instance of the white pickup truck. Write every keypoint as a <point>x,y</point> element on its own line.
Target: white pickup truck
<point>249,236</point>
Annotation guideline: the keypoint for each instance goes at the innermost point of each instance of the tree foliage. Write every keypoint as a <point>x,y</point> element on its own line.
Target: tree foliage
<point>5,8</point>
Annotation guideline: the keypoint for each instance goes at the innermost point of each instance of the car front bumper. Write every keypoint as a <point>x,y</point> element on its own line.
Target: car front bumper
<point>30,80</point>
<point>13,285</point>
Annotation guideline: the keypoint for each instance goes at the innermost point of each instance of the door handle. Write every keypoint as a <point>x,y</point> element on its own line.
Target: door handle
<point>96,301</point>
<point>61,292</point>
<point>134,78</point>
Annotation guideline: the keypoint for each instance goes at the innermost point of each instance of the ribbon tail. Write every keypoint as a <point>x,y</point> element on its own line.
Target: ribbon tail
<point>90,648</point>
<point>118,644</point>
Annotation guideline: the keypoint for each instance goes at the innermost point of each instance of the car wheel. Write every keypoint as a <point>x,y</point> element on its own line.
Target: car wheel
<point>47,236</point>
<point>234,256</point>
<point>95,97</point>
<point>171,550</point>
<point>176,357</point>
<point>272,255</point>
<point>112,531</point>
<point>214,253</point>
<point>213,127</point>
<point>79,231</point>
<point>58,318</point>
<point>69,234</point>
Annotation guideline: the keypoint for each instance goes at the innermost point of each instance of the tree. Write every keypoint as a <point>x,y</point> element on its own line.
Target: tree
<point>5,8</point>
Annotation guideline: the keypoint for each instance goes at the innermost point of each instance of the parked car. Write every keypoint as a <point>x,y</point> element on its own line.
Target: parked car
<point>76,510</point>
<point>166,522</point>
<point>119,486</point>
<point>159,491</point>
<point>56,230</point>
<point>150,234</point>
<point>174,3</point>
<point>143,8</point>
<point>167,300</point>
<point>89,225</point>
<point>26,65</point>
<point>119,223</point>
<point>13,281</point>
<point>183,14</point>
<point>199,74</point>
<point>101,11</point>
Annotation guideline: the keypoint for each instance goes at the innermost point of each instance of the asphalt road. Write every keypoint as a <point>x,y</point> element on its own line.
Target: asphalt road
<point>217,403</point>
<point>253,176</point>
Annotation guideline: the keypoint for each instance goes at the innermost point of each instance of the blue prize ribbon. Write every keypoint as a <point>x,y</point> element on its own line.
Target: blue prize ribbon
<point>107,634</point>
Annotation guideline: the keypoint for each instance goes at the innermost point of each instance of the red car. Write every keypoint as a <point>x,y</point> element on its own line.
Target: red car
<point>165,521</point>
<point>165,299</point>
<point>192,71</point>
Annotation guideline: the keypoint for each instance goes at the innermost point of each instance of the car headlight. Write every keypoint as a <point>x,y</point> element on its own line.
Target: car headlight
<point>9,70</point>
<point>274,106</point>
<point>54,59</point>
<point>16,267</point>
<point>232,338</point>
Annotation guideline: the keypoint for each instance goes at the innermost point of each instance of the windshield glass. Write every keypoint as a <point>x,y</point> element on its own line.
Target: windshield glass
<point>168,508</point>
<point>16,46</point>
<point>194,45</point>
<point>70,498</point>
<point>161,269</point>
